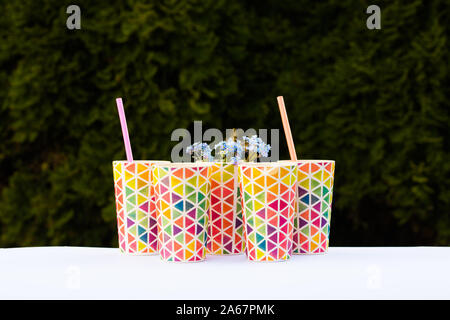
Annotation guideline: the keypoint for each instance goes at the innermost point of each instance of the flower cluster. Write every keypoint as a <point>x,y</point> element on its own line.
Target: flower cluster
<point>200,151</point>
<point>231,150</point>
<point>256,147</point>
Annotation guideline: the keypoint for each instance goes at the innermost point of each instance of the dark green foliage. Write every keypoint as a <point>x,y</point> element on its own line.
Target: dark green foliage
<point>376,101</point>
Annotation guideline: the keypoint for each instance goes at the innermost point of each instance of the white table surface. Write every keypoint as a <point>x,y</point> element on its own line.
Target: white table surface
<point>342,273</point>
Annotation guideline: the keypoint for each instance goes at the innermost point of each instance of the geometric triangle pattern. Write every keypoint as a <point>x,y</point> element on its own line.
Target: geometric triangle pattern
<point>268,200</point>
<point>135,207</point>
<point>225,226</point>
<point>313,213</point>
<point>183,194</point>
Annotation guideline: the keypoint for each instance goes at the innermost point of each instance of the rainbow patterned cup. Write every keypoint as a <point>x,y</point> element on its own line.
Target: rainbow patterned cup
<point>135,207</point>
<point>225,231</point>
<point>313,216</point>
<point>268,198</point>
<point>183,194</point>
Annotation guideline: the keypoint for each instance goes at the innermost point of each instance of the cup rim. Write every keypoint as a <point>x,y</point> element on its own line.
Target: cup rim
<point>306,160</point>
<point>141,161</point>
<point>267,164</point>
<point>184,164</point>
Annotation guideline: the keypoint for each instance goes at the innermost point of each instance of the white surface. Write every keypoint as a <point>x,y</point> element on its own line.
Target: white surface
<point>342,273</point>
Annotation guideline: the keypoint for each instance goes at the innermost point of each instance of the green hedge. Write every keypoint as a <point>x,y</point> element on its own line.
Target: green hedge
<point>376,101</point>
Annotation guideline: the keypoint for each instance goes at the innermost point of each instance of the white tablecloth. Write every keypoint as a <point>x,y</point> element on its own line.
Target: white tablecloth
<point>342,273</point>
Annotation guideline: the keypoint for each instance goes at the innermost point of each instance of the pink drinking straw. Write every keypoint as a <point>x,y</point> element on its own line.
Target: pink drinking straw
<point>123,123</point>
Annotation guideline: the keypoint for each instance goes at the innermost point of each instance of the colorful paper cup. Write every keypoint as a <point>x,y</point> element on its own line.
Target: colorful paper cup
<point>269,208</point>
<point>135,207</point>
<point>225,231</point>
<point>313,214</point>
<point>183,194</point>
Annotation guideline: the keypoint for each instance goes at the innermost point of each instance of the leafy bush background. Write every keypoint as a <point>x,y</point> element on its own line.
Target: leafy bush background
<point>375,101</point>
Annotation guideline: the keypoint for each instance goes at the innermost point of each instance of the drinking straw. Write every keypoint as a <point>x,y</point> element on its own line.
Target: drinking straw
<point>287,128</point>
<point>123,124</point>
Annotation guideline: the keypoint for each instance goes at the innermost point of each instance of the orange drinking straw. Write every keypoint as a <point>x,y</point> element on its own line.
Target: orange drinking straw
<point>287,128</point>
